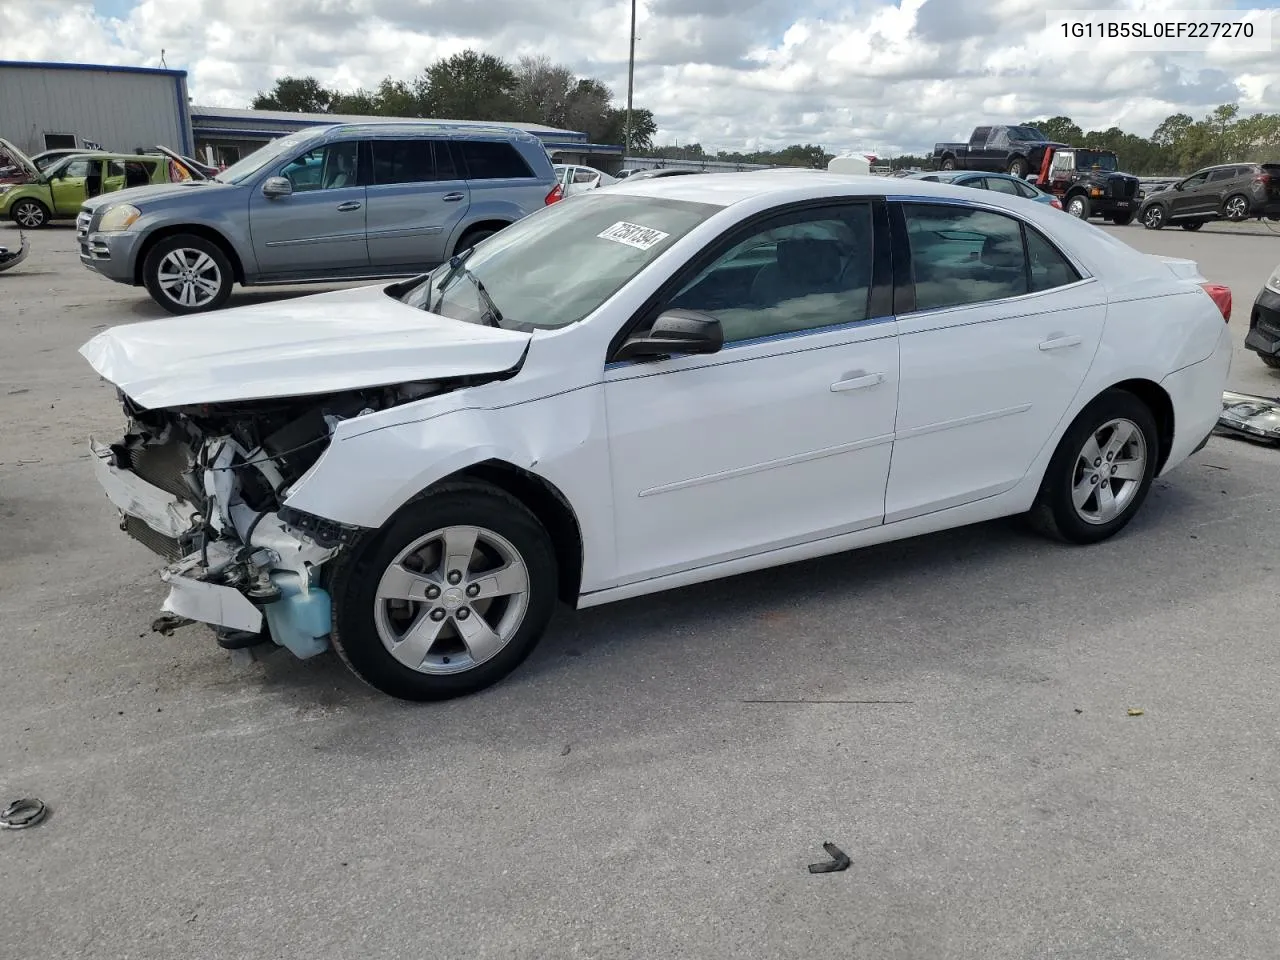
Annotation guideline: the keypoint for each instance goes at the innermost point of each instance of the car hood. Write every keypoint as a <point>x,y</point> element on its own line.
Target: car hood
<point>347,340</point>
<point>150,192</point>
<point>22,160</point>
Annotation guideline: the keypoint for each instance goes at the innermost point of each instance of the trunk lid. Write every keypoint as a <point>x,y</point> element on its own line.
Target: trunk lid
<point>325,343</point>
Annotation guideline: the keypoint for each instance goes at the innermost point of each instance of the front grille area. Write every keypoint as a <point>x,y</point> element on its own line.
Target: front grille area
<point>167,547</point>
<point>163,466</point>
<point>1122,188</point>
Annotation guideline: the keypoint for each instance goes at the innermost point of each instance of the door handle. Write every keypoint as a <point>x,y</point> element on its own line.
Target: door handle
<point>1059,342</point>
<point>451,197</point>
<point>349,205</point>
<point>858,382</point>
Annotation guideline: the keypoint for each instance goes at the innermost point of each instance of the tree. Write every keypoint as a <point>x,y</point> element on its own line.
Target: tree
<point>542,91</point>
<point>360,103</point>
<point>1060,129</point>
<point>295,94</point>
<point>467,86</point>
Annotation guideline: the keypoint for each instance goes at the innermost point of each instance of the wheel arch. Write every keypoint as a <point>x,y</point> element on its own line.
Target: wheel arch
<point>195,230</point>
<point>489,223</point>
<point>1160,404</point>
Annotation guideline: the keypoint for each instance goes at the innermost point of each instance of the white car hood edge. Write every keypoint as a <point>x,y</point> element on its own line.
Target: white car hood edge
<point>348,340</point>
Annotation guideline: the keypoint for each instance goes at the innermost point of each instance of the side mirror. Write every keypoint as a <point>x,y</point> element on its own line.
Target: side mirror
<point>1178,185</point>
<point>675,332</point>
<point>275,187</point>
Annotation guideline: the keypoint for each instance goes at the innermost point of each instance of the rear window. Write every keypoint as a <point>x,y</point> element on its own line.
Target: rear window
<point>491,160</point>
<point>1273,169</point>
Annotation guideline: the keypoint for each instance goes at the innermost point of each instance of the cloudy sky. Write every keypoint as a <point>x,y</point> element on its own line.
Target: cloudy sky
<point>879,75</point>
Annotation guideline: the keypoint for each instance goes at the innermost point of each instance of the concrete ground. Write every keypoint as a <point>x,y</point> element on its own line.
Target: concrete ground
<point>627,792</point>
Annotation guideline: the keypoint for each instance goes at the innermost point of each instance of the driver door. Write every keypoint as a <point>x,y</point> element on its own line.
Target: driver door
<point>319,229</point>
<point>1191,196</point>
<point>784,435</point>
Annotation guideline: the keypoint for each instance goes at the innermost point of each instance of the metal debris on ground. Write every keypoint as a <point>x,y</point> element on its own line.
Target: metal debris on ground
<point>10,257</point>
<point>23,813</point>
<point>1136,711</point>
<point>839,860</point>
<point>1244,415</point>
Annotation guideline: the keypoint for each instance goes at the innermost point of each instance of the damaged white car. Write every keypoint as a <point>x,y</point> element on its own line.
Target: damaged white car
<point>641,388</point>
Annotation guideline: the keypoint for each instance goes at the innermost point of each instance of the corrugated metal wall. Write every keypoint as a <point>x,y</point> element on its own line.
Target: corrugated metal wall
<point>120,111</point>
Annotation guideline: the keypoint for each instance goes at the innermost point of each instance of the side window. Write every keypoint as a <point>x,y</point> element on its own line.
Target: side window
<point>1025,190</point>
<point>1002,186</point>
<point>583,175</point>
<point>999,138</point>
<point>1196,180</point>
<point>796,272</point>
<point>1225,173</point>
<point>115,168</point>
<point>979,136</point>
<point>77,168</point>
<point>492,160</point>
<point>324,168</point>
<point>403,161</point>
<point>136,174</point>
<point>961,256</point>
<point>1049,268</point>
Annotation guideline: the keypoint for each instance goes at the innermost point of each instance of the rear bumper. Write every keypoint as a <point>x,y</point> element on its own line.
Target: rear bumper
<point>1264,325</point>
<point>1196,392</point>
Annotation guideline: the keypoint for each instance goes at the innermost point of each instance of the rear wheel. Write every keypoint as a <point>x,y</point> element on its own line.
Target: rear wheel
<point>1101,472</point>
<point>948,163</point>
<point>1018,167</point>
<point>449,598</point>
<point>1236,208</point>
<point>31,214</point>
<point>472,237</point>
<point>1078,206</point>
<point>1153,217</point>
<point>188,274</point>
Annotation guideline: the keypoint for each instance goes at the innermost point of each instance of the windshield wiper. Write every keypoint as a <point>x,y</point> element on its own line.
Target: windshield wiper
<point>457,265</point>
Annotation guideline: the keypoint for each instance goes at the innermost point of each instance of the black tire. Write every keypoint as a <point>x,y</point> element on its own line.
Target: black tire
<point>30,214</point>
<point>472,237</point>
<point>1272,362</point>
<point>1154,216</point>
<point>1018,167</point>
<point>219,272</point>
<point>948,163</point>
<point>1122,219</point>
<point>1236,208</point>
<point>1193,225</point>
<point>359,569</point>
<point>1078,206</point>
<point>1054,514</point>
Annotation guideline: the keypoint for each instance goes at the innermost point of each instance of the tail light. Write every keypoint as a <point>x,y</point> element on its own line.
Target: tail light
<point>555,194</point>
<point>1262,178</point>
<point>1221,296</point>
<point>1055,203</point>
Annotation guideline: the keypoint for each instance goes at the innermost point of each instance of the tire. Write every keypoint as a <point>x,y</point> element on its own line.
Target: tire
<point>1122,219</point>
<point>1154,217</point>
<point>30,214</point>
<point>1079,207</point>
<point>472,237</point>
<point>1055,512</point>
<point>367,628</point>
<point>1236,208</point>
<point>204,261</point>
<point>1272,362</point>
<point>1018,167</point>
<point>948,163</point>
<point>1193,225</point>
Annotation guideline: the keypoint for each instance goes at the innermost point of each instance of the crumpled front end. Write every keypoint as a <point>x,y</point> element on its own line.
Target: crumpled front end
<point>203,488</point>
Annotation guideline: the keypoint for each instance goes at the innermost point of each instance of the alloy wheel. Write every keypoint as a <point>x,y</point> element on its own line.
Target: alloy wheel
<point>1153,218</point>
<point>1109,471</point>
<point>189,277</point>
<point>29,215</point>
<point>452,600</point>
<point>1237,209</point>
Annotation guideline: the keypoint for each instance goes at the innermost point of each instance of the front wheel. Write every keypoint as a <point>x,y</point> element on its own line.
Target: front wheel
<point>1078,206</point>
<point>1153,217</point>
<point>188,274</point>
<point>31,214</point>
<point>1236,208</point>
<point>1101,472</point>
<point>449,598</point>
<point>1272,362</point>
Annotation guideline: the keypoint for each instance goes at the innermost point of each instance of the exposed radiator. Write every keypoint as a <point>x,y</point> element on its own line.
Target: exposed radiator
<point>167,547</point>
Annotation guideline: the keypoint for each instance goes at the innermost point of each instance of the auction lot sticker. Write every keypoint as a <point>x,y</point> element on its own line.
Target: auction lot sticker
<point>633,235</point>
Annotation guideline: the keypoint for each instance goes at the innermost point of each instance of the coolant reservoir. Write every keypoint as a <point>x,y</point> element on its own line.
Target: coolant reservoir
<point>299,620</point>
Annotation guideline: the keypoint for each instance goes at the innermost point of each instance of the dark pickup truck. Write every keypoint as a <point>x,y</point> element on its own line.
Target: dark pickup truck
<point>999,149</point>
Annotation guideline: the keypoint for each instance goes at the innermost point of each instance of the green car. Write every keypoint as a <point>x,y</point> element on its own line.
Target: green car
<point>57,192</point>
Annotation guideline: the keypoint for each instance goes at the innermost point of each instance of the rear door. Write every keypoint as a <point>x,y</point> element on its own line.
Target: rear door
<point>115,177</point>
<point>319,229</point>
<point>501,181</point>
<point>70,184</point>
<point>997,330</point>
<point>416,197</point>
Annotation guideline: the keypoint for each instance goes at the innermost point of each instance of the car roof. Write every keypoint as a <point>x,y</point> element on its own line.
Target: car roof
<point>461,130</point>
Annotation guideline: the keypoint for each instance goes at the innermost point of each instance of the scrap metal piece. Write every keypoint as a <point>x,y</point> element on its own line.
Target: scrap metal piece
<point>23,813</point>
<point>1245,415</point>
<point>169,623</point>
<point>840,860</point>
<point>11,258</point>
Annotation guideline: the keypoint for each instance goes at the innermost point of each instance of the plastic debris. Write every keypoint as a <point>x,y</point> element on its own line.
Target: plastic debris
<point>1245,415</point>
<point>839,860</point>
<point>1136,711</point>
<point>23,813</point>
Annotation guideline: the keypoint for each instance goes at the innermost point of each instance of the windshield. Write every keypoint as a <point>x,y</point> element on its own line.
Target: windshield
<point>1026,133</point>
<point>275,150</point>
<point>556,266</point>
<point>1087,159</point>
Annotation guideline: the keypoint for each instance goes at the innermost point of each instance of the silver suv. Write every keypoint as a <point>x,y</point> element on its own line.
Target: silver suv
<point>345,202</point>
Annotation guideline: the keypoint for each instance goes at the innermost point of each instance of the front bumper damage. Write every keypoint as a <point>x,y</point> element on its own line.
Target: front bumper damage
<point>243,572</point>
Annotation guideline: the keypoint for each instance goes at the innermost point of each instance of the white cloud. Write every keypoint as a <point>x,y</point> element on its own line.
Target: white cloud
<point>892,77</point>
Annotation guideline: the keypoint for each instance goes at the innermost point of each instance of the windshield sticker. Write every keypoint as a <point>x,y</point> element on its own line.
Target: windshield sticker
<point>633,235</point>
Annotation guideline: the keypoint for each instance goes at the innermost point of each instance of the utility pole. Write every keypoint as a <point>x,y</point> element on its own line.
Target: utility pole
<point>631,77</point>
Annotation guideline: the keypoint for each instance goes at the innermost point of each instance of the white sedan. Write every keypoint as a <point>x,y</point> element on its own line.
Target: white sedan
<point>645,387</point>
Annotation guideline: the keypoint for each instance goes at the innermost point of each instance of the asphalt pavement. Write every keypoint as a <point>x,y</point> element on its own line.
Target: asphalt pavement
<point>654,781</point>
